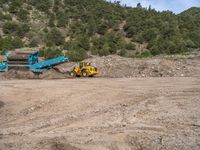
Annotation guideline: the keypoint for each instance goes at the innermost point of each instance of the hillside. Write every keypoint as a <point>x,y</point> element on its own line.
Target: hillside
<point>192,12</point>
<point>96,27</point>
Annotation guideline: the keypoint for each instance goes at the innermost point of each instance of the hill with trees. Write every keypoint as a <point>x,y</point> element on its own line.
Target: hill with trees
<point>98,27</point>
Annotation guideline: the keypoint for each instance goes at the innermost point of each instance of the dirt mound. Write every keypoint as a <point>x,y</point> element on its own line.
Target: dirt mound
<point>18,74</point>
<point>116,66</point>
<point>52,74</point>
<point>119,67</point>
<point>22,74</point>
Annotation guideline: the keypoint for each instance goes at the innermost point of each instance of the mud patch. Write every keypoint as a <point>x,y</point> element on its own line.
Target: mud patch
<point>1,104</point>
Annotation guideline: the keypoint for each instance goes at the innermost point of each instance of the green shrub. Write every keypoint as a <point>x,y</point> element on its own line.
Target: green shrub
<point>17,42</point>
<point>131,32</point>
<point>155,50</point>
<point>23,29</point>
<point>182,48</point>
<point>23,14</point>
<point>190,44</point>
<point>28,7</point>
<point>55,37</point>
<point>150,34</point>
<point>105,50</point>
<point>140,39</point>
<point>16,29</point>
<point>7,17</point>
<point>83,42</point>
<point>52,20</point>
<point>66,46</point>
<point>15,5</point>
<point>130,46</point>
<point>10,27</point>
<point>94,52</point>
<point>171,48</point>
<point>42,5</point>
<point>76,55</point>
<point>92,27</point>
<point>49,52</point>
<point>6,44</point>
<point>102,28</point>
<point>195,37</point>
<point>79,43</point>
<point>143,54</point>
<point>45,30</point>
<point>122,52</point>
<point>61,19</point>
<point>33,43</point>
<point>9,43</point>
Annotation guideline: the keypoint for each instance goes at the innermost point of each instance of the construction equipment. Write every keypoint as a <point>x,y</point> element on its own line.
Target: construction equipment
<point>22,58</point>
<point>83,69</point>
<point>29,60</point>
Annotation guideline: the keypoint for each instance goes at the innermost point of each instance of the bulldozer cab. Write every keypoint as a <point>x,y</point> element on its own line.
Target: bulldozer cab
<point>84,64</point>
<point>81,65</point>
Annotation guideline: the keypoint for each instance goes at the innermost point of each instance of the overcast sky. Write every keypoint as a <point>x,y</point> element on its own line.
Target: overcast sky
<point>176,6</point>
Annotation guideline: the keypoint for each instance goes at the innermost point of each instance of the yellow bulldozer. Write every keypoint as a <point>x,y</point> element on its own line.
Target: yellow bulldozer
<point>83,69</point>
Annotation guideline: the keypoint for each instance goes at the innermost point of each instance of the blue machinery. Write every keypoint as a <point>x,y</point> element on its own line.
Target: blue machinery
<point>29,60</point>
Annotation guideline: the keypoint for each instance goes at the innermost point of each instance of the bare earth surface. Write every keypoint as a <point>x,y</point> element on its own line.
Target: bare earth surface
<point>100,114</point>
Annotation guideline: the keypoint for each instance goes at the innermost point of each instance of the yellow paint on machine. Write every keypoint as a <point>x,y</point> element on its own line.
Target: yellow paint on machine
<point>83,69</point>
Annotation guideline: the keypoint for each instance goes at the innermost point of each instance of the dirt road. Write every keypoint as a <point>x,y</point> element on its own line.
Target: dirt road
<point>100,114</point>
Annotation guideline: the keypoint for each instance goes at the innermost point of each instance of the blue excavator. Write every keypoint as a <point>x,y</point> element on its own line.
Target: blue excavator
<point>30,61</point>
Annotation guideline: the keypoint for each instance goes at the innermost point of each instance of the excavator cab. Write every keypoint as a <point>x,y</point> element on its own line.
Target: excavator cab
<point>83,69</point>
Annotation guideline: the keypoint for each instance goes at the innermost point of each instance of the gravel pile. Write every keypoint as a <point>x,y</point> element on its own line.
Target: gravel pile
<point>117,67</point>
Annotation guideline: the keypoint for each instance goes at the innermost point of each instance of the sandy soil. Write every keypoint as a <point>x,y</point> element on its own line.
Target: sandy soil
<point>100,114</point>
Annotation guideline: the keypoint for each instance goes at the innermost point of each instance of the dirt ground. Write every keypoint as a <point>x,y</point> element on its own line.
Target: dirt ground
<point>100,114</point>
